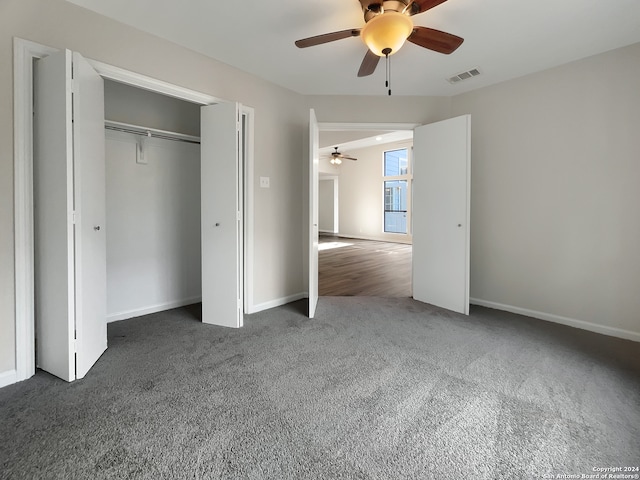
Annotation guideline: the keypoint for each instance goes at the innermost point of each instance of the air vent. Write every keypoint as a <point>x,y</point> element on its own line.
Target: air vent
<point>474,72</point>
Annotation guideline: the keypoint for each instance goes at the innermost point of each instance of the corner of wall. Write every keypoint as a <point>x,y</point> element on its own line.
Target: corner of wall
<point>8,378</point>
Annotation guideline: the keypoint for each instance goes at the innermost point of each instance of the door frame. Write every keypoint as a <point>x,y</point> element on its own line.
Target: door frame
<point>24,54</point>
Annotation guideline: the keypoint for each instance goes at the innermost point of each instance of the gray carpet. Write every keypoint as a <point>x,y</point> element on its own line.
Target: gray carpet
<point>373,388</point>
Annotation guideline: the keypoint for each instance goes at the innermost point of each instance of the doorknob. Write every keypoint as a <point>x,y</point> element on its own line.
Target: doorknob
<point>96,228</point>
<point>217,224</point>
<point>459,224</point>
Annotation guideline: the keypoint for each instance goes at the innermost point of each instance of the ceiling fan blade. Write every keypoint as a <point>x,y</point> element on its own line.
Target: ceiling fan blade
<point>435,40</point>
<point>369,64</point>
<point>424,5</point>
<point>327,37</point>
<point>347,157</point>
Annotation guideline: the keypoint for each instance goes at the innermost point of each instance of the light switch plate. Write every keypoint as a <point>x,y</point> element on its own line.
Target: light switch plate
<point>264,182</point>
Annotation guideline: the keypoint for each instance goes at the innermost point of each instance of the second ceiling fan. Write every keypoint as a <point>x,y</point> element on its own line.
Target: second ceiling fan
<point>337,157</point>
<point>387,26</point>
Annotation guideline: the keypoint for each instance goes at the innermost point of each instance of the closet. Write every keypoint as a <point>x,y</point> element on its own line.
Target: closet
<point>152,159</point>
<point>132,220</point>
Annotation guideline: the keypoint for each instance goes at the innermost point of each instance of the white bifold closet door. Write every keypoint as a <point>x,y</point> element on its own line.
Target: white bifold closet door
<point>441,213</point>
<point>221,141</point>
<point>69,215</point>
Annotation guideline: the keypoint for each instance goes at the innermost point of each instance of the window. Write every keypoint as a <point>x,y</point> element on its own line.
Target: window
<point>395,206</point>
<point>396,163</point>
<point>396,181</point>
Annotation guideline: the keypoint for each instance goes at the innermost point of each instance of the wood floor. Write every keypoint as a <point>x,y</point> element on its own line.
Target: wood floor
<point>349,266</point>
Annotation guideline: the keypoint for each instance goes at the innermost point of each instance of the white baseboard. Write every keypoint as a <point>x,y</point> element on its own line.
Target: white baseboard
<point>277,302</point>
<point>138,312</point>
<point>8,378</point>
<point>571,322</point>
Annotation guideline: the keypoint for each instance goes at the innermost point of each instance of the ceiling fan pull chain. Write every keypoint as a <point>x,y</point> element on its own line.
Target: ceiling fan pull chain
<point>386,72</point>
<point>387,82</point>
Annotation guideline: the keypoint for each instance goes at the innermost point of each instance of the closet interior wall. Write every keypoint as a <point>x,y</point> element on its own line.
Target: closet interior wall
<point>153,204</point>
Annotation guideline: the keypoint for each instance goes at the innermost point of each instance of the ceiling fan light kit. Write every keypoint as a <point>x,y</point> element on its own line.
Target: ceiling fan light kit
<point>387,33</point>
<point>387,26</point>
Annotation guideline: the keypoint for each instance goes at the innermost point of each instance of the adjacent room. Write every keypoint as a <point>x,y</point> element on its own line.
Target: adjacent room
<point>365,213</point>
<point>191,286</point>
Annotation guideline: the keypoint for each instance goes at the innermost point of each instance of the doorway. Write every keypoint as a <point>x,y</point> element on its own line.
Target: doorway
<point>359,252</point>
<point>441,221</point>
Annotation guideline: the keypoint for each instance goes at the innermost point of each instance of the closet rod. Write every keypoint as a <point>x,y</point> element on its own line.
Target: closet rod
<point>150,132</point>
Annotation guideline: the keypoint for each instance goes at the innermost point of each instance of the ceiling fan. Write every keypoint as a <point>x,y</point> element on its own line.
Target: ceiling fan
<point>337,157</point>
<point>387,26</point>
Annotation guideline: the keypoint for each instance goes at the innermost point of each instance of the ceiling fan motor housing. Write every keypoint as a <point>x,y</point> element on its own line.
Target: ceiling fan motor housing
<point>373,8</point>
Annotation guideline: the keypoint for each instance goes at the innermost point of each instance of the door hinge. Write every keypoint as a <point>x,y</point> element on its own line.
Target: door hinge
<point>75,86</point>
<point>238,215</point>
<point>74,218</point>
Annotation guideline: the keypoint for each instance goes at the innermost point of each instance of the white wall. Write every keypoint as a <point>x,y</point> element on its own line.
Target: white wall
<point>280,122</point>
<point>555,227</point>
<point>124,103</point>
<point>361,195</point>
<point>379,109</point>
<point>153,226</point>
<point>337,138</point>
<point>153,209</point>
<point>326,204</point>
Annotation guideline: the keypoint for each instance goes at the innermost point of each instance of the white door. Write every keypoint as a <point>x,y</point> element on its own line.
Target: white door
<point>441,213</point>
<point>314,146</point>
<point>221,210</point>
<point>70,290</point>
<point>53,225</point>
<point>90,207</point>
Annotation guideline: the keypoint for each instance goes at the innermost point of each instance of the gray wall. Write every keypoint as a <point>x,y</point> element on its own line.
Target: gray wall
<point>153,209</point>
<point>153,225</point>
<point>123,103</point>
<point>381,109</point>
<point>555,166</point>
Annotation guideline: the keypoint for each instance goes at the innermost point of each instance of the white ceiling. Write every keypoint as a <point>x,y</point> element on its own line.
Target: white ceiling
<point>354,140</point>
<point>504,38</point>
